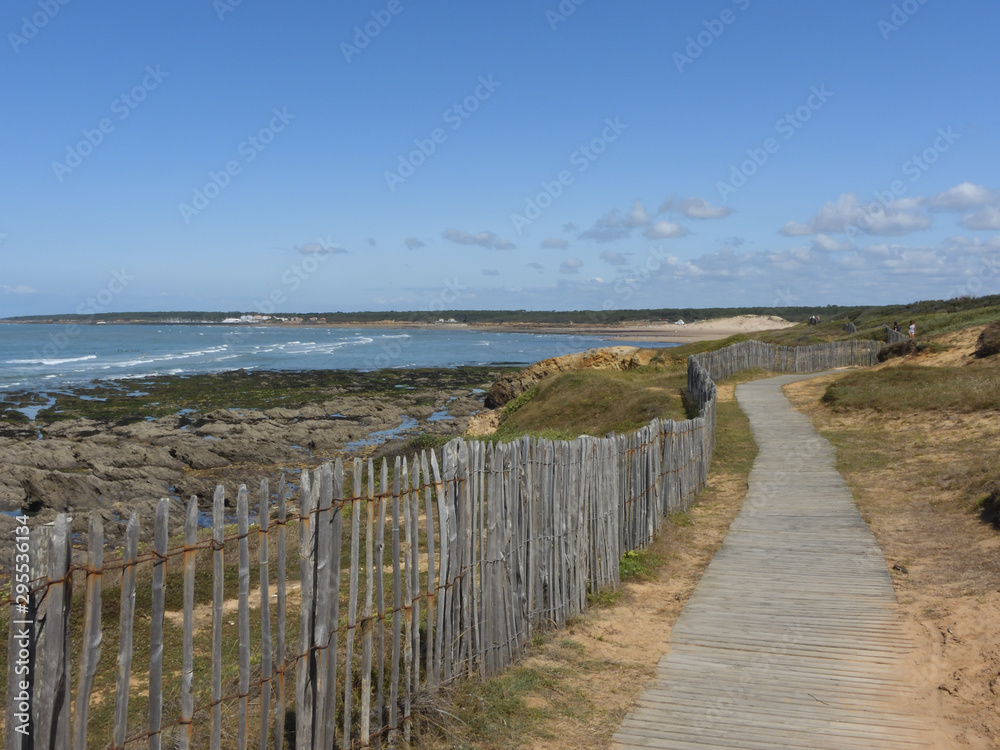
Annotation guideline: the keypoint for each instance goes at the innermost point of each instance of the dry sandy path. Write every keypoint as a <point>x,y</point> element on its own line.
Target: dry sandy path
<point>793,637</point>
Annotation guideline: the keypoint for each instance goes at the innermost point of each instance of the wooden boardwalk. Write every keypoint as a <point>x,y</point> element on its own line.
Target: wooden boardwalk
<point>792,637</point>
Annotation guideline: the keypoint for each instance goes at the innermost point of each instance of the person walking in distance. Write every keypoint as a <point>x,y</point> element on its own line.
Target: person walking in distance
<point>913,329</point>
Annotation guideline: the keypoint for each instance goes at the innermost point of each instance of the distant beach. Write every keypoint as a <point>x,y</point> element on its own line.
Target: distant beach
<point>656,332</point>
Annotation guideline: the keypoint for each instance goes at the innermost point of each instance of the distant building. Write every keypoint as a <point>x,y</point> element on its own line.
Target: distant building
<point>247,319</point>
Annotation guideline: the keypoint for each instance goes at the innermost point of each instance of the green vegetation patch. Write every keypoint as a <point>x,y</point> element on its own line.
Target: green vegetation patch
<point>910,388</point>
<point>243,389</point>
<point>735,448</point>
<point>639,565</point>
<point>595,402</point>
<point>495,713</point>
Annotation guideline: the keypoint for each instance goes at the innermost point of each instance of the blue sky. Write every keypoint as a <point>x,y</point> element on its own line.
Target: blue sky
<point>538,155</point>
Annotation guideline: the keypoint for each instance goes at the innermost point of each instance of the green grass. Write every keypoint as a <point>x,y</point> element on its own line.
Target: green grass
<point>639,565</point>
<point>163,396</point>
<point>494,714</point>
<point>911,388</point>
<point>735,448</point>
<point>595,402</point>
<point>681,518</point>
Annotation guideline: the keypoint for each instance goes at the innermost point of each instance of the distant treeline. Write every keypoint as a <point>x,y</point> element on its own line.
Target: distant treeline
<point>801,313</point>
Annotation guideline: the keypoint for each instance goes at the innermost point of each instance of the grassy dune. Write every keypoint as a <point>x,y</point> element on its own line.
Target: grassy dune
<point>912,388</point>
<point>596,402</point>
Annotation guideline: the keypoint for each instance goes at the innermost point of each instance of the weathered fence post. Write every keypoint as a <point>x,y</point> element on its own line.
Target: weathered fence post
<point>187,667</point>
<point>263,520</point>
<point>90,654</point>
<point>125,632</point>
<point>156,624</point>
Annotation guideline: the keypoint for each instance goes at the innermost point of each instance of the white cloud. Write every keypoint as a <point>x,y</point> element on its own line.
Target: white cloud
<point>413,243</point>
<point>962,197</point>
<point>974,245</point>
<point>638,216</point>
<point>536,266</point>
<point>490,272</point>
<point>554,243</point>
<point>19,289</point>
<point>613,258</point>
<point>614,226</point>
<point>321,248</point>
<point>895,222</point>
<point>833,217</point>
<point>987,217</point>
<point>695,208</point>
<point>608,228</point>
<point>817,271</point>
<point>483,239</point>
<point>830,245</point>
<point>899,217</point>
<point>662,230</point>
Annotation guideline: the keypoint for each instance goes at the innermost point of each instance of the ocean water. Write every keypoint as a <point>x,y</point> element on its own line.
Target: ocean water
<point>49,357</point>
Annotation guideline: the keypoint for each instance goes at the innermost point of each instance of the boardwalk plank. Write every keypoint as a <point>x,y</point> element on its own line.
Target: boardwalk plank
<point>792,638</point>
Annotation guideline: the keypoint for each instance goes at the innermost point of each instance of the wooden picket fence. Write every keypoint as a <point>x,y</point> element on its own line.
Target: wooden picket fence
<point>409,576</point>
<point>895,337</point>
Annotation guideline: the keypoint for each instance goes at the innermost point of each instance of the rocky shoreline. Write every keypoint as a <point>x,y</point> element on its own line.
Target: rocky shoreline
<point>119,455</point>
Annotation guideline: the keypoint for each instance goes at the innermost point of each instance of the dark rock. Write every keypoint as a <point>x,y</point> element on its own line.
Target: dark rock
<point>59,491</point>
<point>198,457</point>
<point>902,349</point>
<point>988,343</point>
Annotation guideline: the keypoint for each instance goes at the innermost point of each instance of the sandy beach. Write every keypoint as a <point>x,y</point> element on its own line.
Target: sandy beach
<point>657,332</point>
<point>661,332</point>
